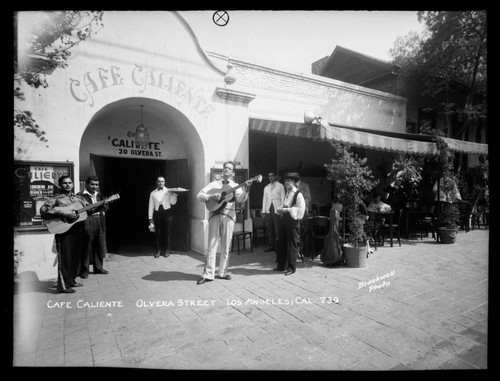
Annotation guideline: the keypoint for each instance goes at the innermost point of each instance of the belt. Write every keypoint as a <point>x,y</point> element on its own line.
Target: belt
<point>224,214</point>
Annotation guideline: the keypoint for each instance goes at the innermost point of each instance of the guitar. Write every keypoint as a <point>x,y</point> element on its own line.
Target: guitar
<point>60,225</point>
<point>226,193</point>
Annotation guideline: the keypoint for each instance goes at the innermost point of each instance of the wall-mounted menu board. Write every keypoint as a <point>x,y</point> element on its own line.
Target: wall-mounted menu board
<point>34,183</point>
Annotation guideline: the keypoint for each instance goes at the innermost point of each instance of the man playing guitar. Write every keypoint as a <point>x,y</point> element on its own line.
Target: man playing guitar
<point>69,243</point>
<point>221,220</point>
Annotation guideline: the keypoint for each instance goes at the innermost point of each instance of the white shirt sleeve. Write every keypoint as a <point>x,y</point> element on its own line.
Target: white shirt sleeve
<point>173,198</point>
<point>151,206</point>
<point>265,201</point>
<point>282,195</point>
<point>297,212</point>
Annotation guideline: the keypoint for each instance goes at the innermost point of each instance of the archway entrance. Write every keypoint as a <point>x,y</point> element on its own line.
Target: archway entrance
<point>175,152</point>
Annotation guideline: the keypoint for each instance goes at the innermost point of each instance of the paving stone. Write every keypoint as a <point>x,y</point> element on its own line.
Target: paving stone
<point>457,363</point>
<point>427,318</point>
<point>477,336</point>
<point>476,355</point>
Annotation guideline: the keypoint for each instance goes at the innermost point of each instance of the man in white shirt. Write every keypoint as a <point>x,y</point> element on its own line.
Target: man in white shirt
<point>221,220</point>
<point>161,217</point>
<point>274,196</point>
<point>291,213</point>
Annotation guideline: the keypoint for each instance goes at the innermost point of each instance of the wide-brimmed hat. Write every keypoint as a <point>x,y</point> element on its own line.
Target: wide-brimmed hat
<point>291,175</point>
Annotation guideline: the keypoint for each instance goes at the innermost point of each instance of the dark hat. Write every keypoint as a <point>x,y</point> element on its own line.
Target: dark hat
<point>291,175</point>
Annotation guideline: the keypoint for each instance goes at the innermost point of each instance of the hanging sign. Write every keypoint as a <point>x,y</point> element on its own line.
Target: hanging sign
<point>127,147</point>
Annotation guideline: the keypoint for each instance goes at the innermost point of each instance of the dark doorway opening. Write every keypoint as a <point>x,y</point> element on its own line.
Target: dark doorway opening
<point>127,218</point>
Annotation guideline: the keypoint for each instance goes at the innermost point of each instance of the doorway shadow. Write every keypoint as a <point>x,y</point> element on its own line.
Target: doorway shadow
<point>165,276</point>
<point>133,250</point>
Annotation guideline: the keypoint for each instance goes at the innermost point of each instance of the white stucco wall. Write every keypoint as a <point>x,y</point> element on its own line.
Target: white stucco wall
<point>110,67</point>
<point>285,96</point>
<point>121,63</point>
<point>94,100</point>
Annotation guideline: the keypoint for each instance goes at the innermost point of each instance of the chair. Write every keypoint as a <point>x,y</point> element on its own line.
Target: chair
<point>318,226</point>
<point>479,213</point>
<point>314,209</point>
<point>484,212</point>
<point>373,228</point>
<point>465,214</point>
<point>426,221</point>
<point>239,233</point>
<point>258,226</point>
<point>396,227</point>
<point>413,214</point>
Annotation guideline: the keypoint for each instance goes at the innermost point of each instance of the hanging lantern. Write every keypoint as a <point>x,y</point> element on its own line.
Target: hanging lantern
<point>141,134</point>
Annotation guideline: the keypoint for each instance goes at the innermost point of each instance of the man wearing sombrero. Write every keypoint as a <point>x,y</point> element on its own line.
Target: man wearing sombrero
<point>291,213</point>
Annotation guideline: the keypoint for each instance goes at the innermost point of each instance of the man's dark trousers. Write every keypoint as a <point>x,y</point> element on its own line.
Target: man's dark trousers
<point>288,243</point>
<point>163,225</point>
<point>272,221</point>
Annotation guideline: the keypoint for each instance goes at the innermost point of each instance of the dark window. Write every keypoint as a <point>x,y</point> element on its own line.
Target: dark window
<point>411,128</point>
<point>426,119</point>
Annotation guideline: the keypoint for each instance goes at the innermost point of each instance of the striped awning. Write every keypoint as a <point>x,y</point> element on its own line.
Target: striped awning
<point>467,147</point>
<point>379,142</point>
<point>359,138</point>
<point>277,127</point>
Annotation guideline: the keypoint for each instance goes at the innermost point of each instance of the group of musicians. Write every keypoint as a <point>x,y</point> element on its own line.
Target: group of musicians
<point>84,241</point>
<point>81,240</point>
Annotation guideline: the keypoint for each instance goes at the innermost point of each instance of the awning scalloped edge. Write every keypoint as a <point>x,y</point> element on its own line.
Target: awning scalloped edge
<point>360,138</point>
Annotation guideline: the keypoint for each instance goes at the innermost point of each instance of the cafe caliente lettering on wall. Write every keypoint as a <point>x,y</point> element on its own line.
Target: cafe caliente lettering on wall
<point>94,82</point>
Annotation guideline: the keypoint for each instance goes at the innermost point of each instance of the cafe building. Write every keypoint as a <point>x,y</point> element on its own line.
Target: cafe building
<point>129,107</point>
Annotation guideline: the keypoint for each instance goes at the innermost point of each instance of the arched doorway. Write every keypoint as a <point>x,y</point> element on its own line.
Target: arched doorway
<point>176,152</point>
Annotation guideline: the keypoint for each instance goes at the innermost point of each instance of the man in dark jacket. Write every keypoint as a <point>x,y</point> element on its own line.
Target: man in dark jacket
<point>94,247</point>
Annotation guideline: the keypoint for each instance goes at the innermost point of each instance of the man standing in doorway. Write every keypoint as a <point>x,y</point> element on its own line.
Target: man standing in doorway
<point>221,221</point>
<point>274,195</point>
<point>160,216</point>
<point>94,238</point>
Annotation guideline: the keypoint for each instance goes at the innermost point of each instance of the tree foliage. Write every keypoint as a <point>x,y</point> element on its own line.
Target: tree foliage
<point>450,58</point>
<point>50,38</point>
<point>455,52</point>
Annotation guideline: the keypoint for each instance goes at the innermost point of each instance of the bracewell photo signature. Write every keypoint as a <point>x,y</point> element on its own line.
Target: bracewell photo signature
<point>377,282</point>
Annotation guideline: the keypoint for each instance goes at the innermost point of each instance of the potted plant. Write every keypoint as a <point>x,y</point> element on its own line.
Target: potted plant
<point>447,193</point>
<point>448,214</point>
<point>352,181</point>
<point>404,177</point>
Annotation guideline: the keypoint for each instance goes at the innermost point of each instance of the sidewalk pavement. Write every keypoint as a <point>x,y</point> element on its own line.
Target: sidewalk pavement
<point>419,306</point>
